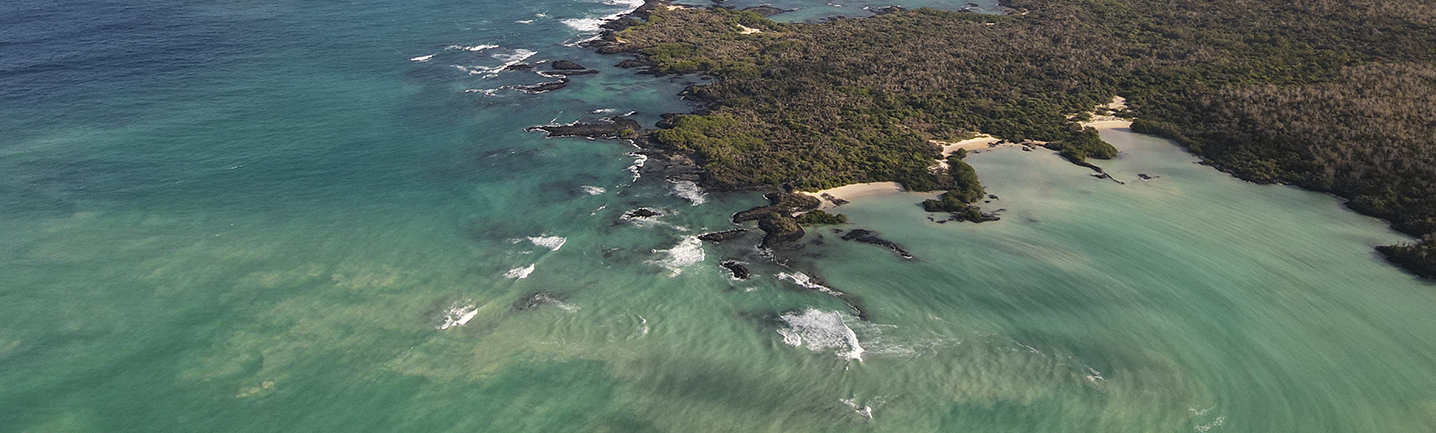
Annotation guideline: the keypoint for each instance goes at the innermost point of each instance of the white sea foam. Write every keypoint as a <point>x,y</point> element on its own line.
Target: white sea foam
<point>822,331</point>
<point>545,298</point>
<point>687,252</point>
<point>593,190</point>
<point>550,242</point>
<point>458,316</point>
<point>509,59</point>
<point>638,160</point>
<point>520,273</point>
<point>1215,423</point>
<point>486,92</point>
<point>864,411</point>
<point>525,21</point>
<point>470,47</point>
<point>632,4</point>
<point>586,25</point>
<point>806,282</point>
<point>422,59</point>
<point>690,191</point>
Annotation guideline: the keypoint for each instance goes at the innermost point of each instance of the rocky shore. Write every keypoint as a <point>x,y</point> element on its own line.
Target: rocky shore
<point>776,219</point>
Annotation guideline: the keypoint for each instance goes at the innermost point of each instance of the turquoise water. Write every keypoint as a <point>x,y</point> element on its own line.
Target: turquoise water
<point>257,216</point>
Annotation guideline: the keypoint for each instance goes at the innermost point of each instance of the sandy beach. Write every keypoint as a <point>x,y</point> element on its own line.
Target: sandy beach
<point>974,145</point>
<point>979,142</point>
<point>855,191</point>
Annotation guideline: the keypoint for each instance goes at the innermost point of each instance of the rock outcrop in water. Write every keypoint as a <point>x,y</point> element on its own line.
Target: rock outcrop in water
<point>776,219</point>
<point>544,87</point>
<point>642,212</point>
<point>767,10</point>
<point>535,299</point>
<point>870,237</point>
<point>723,236</point>
<point>738,269</point>
<point>565,65</point>
<point>613,127</point>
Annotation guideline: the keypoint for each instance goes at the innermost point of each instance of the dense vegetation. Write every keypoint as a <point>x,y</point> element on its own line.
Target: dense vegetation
<point>965,189</point>
<point>1330,95</point>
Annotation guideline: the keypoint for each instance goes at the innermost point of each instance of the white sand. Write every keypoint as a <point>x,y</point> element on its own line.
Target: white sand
<point>745,30</point>
<point>1118,104</point>
<point>854,191</point>
<point>980,142</point>
<point>1108,124</point>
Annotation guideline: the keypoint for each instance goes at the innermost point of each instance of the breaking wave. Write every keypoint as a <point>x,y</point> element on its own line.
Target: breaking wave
<point>806,282</point>
<point>458,316</point>
<point>520,273</point>
<point>690,191</point>
<point>822,331</point>
<point>687,252</point>
<point>550,242</point>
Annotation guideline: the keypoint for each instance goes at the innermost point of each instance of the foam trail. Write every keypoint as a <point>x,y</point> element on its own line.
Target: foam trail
<point>864,411</point>
<point>471,47</point>
<point>638,160</point>
<point>550,242</point>
<point>806,282</point>
<point>458,316</point>
<point>422,59</point>
<point>822,331</point>
<point>586,25</point>
<point>514,58</point>
<point>593,190</point>
<point>520,273</point>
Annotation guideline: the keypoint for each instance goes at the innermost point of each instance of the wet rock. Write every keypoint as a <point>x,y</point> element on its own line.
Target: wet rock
<point>781,203</point>
<point>544,87</point>
<point>975,215</point>
<point>778,229</point>
<point>535,299</point>
<point>889,10</point>
<point>613,127</point>
<point>870,237</point>
<point>739,271</point>
<point>519,67</point>
<point>776,219</point>
<point>723,236</point>
<point>642,212</point>
<point>669,120</point>
<point>565,65</point>
<point>571,73</point>
<point>643,62</point>
<point>767,10</point>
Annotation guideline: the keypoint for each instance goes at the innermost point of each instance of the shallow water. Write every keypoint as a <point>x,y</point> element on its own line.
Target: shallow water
<point>258,216</point>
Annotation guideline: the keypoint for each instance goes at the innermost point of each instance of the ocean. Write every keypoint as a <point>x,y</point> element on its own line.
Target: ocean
<point>260,216</point>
